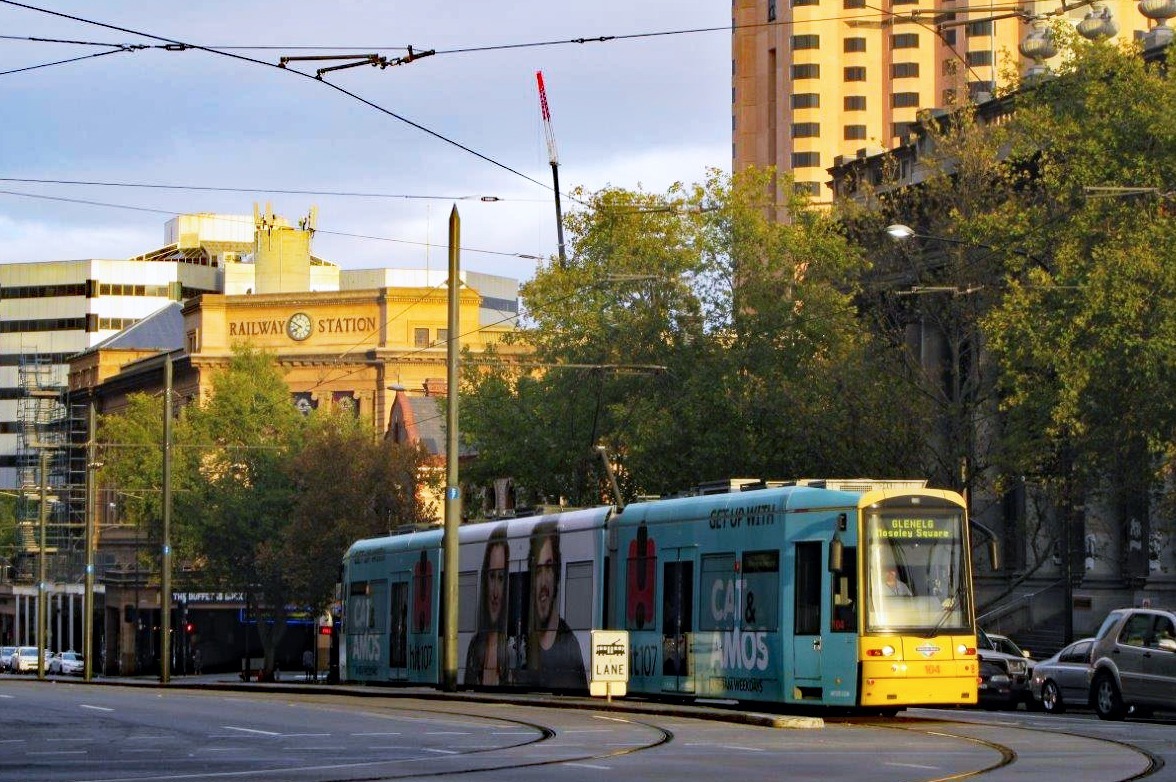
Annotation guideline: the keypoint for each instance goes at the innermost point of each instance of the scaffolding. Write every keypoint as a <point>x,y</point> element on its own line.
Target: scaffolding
<point>51,473</point>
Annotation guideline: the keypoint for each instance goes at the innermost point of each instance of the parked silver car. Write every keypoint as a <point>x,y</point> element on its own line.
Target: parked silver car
<point>1134,663</point>
<point>1064,679</point>
<point>6,657</point>
<point>67,663</point>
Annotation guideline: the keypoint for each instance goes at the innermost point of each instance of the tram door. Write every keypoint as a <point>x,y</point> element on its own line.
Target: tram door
<point>807,619</point>
<point>678,566</point>
<point>398,626</point>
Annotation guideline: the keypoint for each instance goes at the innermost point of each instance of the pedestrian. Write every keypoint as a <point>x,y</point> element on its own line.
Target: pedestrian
<point>308,664</point>
<point>197,662</point>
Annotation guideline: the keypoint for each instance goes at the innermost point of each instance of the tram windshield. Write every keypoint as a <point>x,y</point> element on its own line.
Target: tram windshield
<point>916,575</point>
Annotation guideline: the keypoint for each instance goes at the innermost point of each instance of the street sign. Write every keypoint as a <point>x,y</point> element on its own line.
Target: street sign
<point>610,663</point>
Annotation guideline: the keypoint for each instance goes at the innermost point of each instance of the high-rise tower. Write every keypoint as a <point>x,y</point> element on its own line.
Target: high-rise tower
<point>813,80</point>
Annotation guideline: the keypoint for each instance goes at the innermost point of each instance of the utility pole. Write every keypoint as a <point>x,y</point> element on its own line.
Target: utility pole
<point>42,590</point>
<point>452,489</point>
<point>165,594</point>
<point>88,598</point>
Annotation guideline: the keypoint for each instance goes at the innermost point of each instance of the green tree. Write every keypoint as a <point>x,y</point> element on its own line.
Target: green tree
<point>1086,342</point>
<point>697,338</point>
<point>245,433</point>
<point>1049,283</point>
<point>349,484</point>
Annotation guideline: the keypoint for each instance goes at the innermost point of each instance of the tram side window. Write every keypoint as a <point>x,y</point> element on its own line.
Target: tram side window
<point>467,598</point>
<point>844,598</point>
<point>368,604</point>
<point>360,611</point>
<point>761,590</point>
<point>578,597</point>
<point>720,599</point>
<point>808,588</point>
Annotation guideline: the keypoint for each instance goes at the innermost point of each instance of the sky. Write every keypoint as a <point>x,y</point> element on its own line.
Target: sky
<point>641,111</point>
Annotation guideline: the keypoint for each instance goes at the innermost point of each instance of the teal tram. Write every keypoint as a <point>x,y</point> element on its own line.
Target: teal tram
<point>839,593</point>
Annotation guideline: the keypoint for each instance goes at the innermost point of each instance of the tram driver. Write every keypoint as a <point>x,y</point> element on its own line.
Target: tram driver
<point>895,585</point>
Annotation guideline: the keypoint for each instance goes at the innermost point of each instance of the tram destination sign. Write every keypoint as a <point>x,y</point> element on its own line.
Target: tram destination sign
<point>916,528</point>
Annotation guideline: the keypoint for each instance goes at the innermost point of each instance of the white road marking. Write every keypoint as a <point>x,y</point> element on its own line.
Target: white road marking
<point>252,730</point>
<point>375,734</point>
<point>441,751</point>
<point>589,765</point>
<point>742,749</point>
<point>912,765</point>
<point>95,708</point>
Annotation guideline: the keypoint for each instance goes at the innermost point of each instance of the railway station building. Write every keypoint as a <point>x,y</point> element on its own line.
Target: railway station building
<point>371,341</point>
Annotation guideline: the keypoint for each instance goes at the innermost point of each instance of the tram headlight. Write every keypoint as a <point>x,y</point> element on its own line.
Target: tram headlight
<point>885,651</point>
<point>963,650</point>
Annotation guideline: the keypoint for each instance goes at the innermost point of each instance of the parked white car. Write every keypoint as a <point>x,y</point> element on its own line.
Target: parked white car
<point>67,663</point>
<point>24,659</point>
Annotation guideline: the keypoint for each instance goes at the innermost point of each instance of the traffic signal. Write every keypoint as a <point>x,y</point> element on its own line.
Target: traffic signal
<point>325,630</point>
<point>189,628</point>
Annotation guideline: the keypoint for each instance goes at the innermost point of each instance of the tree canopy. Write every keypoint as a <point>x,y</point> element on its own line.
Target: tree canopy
<point>697,338</point>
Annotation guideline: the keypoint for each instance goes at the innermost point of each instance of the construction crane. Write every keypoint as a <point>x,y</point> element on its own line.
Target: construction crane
<point>553,156</point>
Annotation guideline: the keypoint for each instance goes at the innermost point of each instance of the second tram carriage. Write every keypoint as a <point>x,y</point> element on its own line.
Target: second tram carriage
<point>832,593</point>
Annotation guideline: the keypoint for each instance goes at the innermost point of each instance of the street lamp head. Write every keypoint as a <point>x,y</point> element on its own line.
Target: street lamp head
<point>397,387</point>
<point>899,232</point>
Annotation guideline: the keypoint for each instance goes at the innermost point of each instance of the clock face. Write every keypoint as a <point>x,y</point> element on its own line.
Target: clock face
<point>299,326</point>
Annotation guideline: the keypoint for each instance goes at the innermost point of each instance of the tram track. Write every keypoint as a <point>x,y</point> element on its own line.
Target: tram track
<point>546,734</point>
<point>1009,755</point>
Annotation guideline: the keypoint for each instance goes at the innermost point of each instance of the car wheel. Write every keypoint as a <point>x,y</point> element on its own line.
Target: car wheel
<point>1051,699</point>
<point>1108,702</point>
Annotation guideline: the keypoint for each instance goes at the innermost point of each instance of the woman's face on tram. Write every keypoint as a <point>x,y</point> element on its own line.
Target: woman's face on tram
<point>496,583</point>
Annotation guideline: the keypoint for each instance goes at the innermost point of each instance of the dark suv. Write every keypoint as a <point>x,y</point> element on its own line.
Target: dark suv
<point>1004,677</point>
<point>1134,663</point>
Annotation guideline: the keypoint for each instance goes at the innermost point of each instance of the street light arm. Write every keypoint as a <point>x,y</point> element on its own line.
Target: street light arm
<point>901,233</point>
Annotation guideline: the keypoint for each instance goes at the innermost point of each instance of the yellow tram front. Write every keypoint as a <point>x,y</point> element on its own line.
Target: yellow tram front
<point>918,637</point>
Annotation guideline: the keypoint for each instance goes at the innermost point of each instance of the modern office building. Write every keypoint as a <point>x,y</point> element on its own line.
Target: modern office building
<point>816,82</point>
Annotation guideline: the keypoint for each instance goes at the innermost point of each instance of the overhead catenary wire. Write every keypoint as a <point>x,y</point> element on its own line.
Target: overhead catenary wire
<point>355,96</point>
<point>269,190</point>
<point>169,212</point>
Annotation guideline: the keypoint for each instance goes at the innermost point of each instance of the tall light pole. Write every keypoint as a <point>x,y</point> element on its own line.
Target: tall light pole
<point>42,587</point>
<point>88,598</point>
<point>165,594</point>
<point>959,421</point>
<point>452,489</point>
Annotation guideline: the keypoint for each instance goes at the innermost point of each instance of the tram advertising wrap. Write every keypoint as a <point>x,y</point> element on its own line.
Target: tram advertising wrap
<point>836,593</point>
